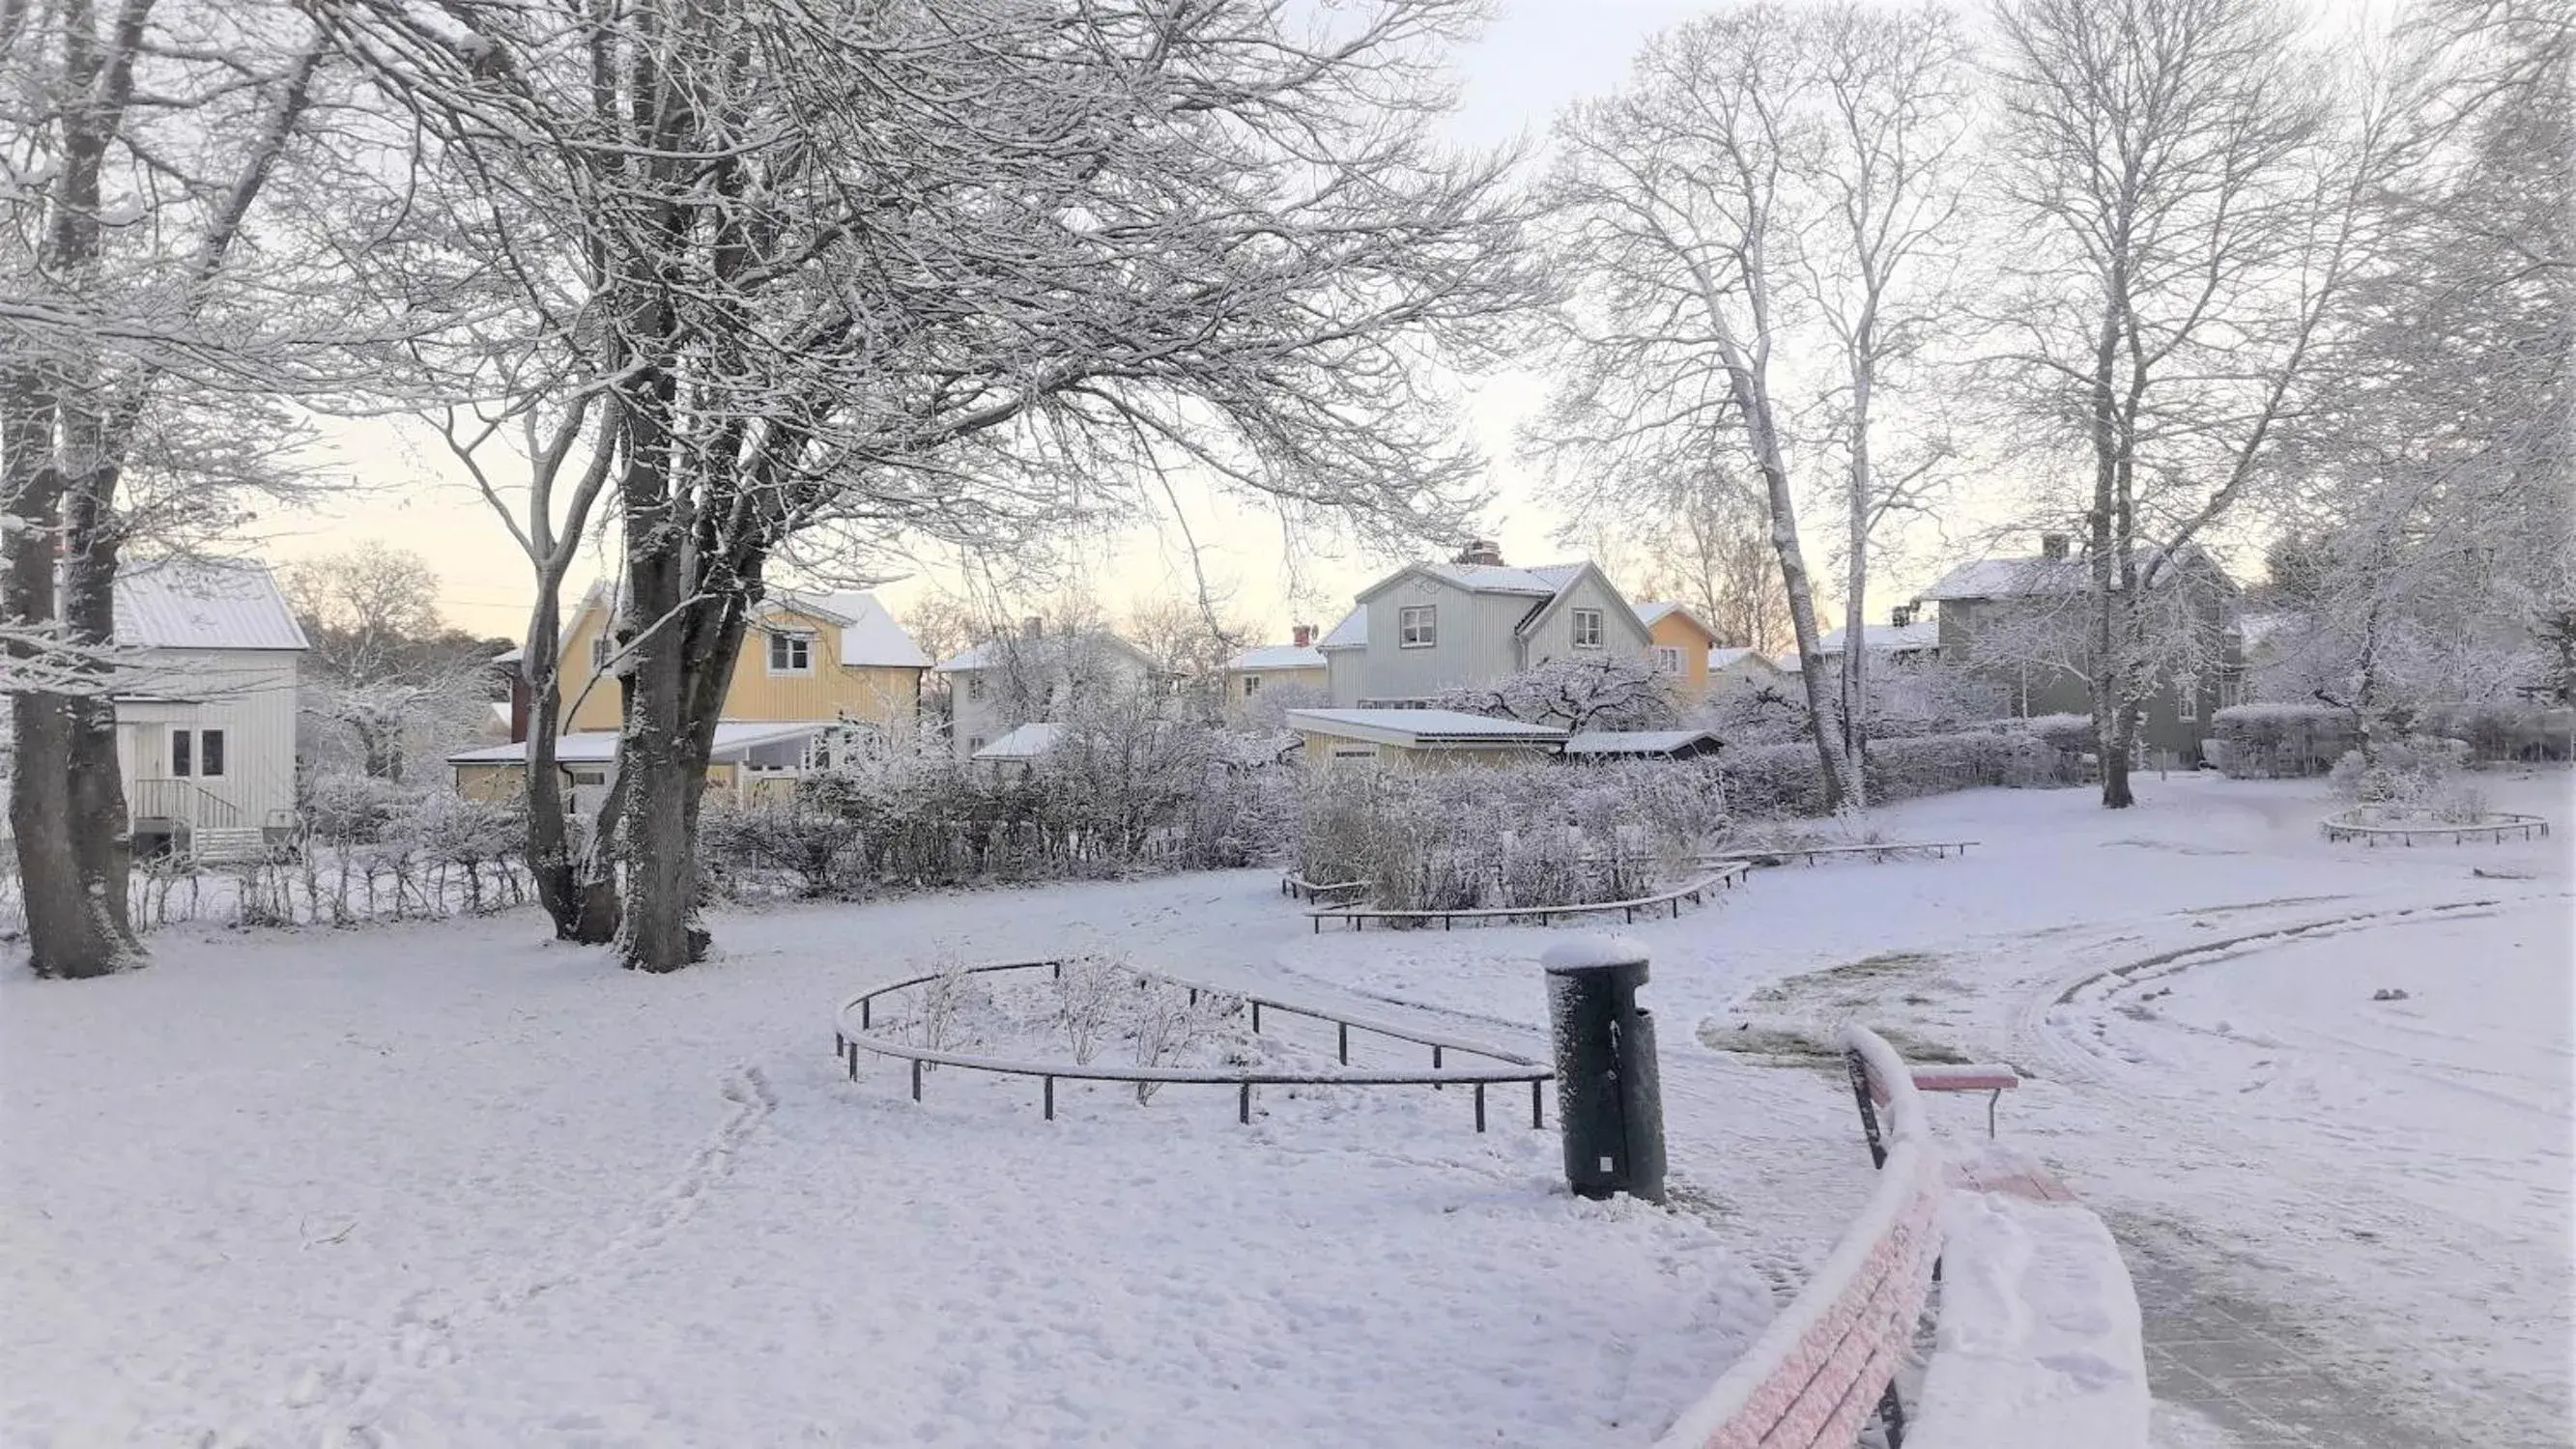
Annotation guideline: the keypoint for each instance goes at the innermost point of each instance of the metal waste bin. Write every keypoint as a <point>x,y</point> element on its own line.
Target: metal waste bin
<point>1609,1103</point>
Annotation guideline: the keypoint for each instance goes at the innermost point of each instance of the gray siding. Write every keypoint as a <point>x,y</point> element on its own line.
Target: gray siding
<point>1554,637</point>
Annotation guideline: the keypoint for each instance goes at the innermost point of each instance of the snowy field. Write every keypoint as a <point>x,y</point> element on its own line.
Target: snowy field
<point>449,1185</point>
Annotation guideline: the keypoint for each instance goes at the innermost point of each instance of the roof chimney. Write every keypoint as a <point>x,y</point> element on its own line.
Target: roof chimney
<point>2052,547</point>
<point>1032,627</point>
<point>1304,634</point>
<point>1481,551</point>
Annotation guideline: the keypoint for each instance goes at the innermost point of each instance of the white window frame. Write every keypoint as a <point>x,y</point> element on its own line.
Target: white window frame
<point>1417,626</point>
<point>1668,659</point>
<point>1251,685</point>
<point>219,758</point>
<point>599,652</point>
<point>790,641</point>
<point>974,684</point>
<point>975,743</point>
<point>1587,628</point>
<point>183,754</point>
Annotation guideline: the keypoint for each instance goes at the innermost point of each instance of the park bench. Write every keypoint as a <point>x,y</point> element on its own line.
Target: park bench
<point>1993,1079</point>
<point>2036,1337</point>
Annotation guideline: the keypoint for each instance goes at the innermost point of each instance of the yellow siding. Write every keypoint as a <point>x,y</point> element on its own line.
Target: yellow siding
<point>1673,631</point>
<point>1320,747</point>
<point>495,783</point>
<point>1236,701</point>
<point>828,691</point>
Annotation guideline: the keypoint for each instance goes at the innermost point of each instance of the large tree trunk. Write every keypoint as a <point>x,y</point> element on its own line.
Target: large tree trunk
<point>1855,680</point>
<point>102,838</point>
<point>682,669</point>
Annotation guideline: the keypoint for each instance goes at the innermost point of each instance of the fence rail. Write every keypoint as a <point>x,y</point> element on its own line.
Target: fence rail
<point>855,1031</point>
<point>2494,829</point>
<point>1726,874</point>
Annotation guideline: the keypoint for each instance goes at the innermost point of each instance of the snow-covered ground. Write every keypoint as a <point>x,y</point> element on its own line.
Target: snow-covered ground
<point>447,1185</point>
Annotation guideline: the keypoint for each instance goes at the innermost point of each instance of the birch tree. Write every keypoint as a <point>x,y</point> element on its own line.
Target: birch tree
<point>958,272</point>
<point>1743,211</point>
<point>138,146</point>
<point>2190,211</point>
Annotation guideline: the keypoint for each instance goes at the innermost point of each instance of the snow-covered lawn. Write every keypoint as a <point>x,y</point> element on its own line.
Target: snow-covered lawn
<point>448,1185</point>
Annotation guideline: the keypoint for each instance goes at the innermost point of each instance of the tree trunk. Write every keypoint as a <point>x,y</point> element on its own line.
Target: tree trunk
<point>102,838</point>
<point>579,895</point>
<point>681,670</point>
<point>1855,680</point>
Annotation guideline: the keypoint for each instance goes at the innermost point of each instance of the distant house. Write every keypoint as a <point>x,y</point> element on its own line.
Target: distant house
<point>1273,667</point>
<point>1742,671</point>
<point>1036,678</point>
<point>1429,628</point>
<point>205,739</point>
<point>2017,624</point>
<point>1417,738</point>
<point>1679,644</point>
<point>819,674</point>
<point>1903,640</point>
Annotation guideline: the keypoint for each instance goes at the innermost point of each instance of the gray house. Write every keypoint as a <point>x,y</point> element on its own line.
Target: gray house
<point>2019,627</point>
<point>1431,627</point>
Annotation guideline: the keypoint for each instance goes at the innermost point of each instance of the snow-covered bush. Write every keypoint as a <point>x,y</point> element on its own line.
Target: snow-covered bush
<point>2499,730</point>
<point>818,848</point>
<point>2281,741</point>
<point>2416,778</point>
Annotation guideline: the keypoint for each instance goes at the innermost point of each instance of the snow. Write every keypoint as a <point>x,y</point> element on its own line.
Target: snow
<point>1410,726</point>
<point>1024,743</point>
<point>459,1186</point>
<point>2038,1338</point>
<point>1633,742</point>
<point>1887,638</point>
<point>590,747</point>
<point>1276,656</point>
<point>1351,633</point>
<point>1591,953</point>
<point>870,637</point>
<point>203,604</point>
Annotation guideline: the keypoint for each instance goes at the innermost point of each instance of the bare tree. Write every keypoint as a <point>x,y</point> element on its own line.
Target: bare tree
<point>384,666</point>
<point>1712,552</point>
<point>956,271</point>
<point>1575,694</point>
<point>1895,105</point>
<point>1767,175</point>
<point>138,147</point>
<point>2191,216</point>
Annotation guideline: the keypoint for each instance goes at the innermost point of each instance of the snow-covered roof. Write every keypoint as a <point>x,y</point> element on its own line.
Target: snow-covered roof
<point>1651,614</point>
<point>1789,663</point>
<point>1728,658</point>
<point>2010,578</point>
<point>1545,581</point>
<point>193,604</point>
<point>870,637</point>
<point>592,747</point>
<point>1025,743</point>
<point>1887,639</point>
<point>1419,728</point>
<point>1351,633</point>
<point>1635,742</point>
<point>1277,656</point>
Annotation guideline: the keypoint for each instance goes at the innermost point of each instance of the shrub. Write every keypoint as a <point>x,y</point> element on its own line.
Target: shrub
<point>2414,778</point>
<point>2281,741</point>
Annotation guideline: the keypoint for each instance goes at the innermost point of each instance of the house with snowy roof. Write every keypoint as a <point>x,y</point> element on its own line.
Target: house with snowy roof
<point>1432,627</point>
<point>1679,644</point>
<point>819,672</point>
<point>1297,664</point>
<point>2019,627</point>
<point>205,733</point>
<point>1036,677</point>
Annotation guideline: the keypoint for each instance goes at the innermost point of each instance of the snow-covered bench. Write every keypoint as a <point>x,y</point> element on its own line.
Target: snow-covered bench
<point>1991,1078</point>
<point>1828,1362</point>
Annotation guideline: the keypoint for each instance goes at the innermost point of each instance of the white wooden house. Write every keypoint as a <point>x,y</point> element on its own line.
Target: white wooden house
<point>205,736</point>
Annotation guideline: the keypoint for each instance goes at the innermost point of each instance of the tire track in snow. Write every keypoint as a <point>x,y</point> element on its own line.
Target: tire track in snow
<point>429,1328</point>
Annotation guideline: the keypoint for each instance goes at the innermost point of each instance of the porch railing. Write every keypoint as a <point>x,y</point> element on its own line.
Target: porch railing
<point>183,800</point>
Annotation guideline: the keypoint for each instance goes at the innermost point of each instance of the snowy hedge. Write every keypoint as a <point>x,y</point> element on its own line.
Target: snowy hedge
<point>2279,741</point>
<point>1775,781</point>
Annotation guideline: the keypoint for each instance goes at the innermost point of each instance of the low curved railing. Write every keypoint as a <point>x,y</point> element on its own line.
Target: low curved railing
<point>1828,1361</point>
<point>850,1037</point>
<point>2494,828</point>
<point>1727,874</point>
<point>1303,889</point>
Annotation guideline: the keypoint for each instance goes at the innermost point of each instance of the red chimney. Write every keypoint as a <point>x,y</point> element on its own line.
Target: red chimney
<point>1304,634</point>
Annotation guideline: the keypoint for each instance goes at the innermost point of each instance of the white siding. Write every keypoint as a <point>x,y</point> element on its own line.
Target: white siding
<point>249,695</point>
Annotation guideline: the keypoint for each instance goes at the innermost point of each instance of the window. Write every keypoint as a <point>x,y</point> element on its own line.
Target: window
<point>599,651</point>
<point>974,743</point>
<point>179,754</point>
<point>791,653</point>
<point>974,686</point>
<point>1587,628</point>
<point>1668,660</point>
<point>1417,626</point>
<point>199,752</point>
<point>588,777</point>
<point>1251,685</point>
<point>210,753</point>
<point>2187,698</point>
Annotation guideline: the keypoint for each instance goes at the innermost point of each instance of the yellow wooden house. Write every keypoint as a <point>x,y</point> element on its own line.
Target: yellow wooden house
<point>818,672</point>
<point>1680,645</point>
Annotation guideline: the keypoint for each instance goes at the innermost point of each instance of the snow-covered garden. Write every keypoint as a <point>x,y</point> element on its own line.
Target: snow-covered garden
<point>445,1183</point>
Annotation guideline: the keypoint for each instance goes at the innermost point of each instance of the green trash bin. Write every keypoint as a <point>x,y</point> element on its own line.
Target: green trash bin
<point>1609,1101</point>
